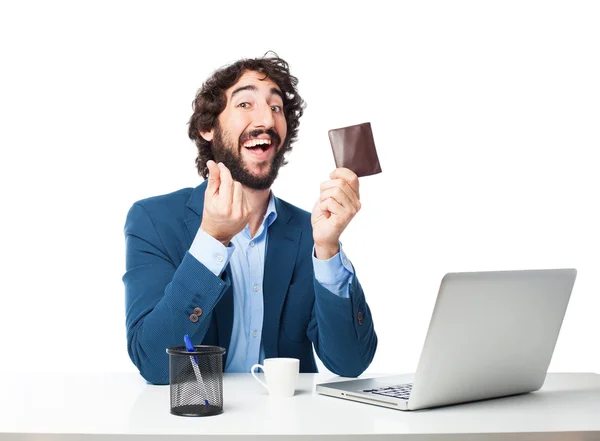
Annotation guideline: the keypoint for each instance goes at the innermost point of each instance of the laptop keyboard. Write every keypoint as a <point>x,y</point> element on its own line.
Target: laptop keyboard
<point>401,391</point>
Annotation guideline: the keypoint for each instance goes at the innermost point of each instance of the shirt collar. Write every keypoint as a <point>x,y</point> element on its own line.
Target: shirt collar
<point>271,213</point>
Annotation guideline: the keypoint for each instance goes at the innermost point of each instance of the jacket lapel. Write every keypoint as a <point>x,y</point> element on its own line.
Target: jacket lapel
<point>282,250</point>
<point>223,311</point>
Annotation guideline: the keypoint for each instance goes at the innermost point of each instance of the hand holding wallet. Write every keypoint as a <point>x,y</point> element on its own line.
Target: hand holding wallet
<point>354,148</point>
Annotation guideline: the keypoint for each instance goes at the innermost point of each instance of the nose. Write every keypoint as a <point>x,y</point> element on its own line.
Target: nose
<point>263,116</point>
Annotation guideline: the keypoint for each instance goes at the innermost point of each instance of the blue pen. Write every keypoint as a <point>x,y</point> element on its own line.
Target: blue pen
<point>189,346</point>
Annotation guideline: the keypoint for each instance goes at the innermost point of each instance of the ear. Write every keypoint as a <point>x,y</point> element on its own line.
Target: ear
<point>208,136</point>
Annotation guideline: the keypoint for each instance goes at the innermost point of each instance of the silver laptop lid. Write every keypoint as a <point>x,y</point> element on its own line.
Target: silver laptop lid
<point>491,334</point>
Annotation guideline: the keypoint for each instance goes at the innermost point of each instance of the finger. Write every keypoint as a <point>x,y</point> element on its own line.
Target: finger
<point>226,187</point>
<point>347,175</point>
<point>341,198</point>
<point>238,198</point>
<point>332,206</point>
<point>214,177</point>
<point>345,187</point>
<point>324,214</point>
<point>317,213</point>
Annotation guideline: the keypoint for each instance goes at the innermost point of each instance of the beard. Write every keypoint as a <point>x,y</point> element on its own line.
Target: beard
<point>225,151</point>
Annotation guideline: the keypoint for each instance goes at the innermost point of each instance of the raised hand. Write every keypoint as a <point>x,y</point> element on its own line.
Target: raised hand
<point>338,204</point>
<point>226,208</point>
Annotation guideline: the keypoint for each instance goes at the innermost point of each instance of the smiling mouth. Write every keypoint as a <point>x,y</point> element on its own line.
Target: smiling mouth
<point>256,144</point>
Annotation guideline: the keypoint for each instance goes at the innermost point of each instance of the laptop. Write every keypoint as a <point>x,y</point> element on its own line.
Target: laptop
<point>491,334</point>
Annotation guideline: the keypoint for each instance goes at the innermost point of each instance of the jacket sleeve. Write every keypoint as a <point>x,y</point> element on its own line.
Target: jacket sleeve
<point>342,330</point>
<point>161,297</point>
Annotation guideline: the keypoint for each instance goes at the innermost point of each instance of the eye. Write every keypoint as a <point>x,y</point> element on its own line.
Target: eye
<point>244,105</point>
<point>276,108</point>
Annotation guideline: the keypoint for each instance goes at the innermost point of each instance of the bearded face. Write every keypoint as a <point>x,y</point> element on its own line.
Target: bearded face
<point>254,158</point>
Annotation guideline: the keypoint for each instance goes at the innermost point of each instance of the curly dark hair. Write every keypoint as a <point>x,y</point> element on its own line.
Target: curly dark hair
<point>210,101</point>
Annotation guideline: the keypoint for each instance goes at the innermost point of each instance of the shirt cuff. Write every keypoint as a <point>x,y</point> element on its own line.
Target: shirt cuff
<point>210,252</point>
<point>335,274</point>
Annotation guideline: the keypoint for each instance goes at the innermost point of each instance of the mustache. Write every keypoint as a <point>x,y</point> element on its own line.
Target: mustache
<point>275,138</point>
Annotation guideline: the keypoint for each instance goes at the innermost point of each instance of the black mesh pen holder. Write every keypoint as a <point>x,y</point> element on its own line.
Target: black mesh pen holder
<point>196,380</point>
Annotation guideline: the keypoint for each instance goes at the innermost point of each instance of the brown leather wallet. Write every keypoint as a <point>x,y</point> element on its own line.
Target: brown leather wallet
<point>354,148</point>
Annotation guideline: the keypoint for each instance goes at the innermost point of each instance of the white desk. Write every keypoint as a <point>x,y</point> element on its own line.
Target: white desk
<point>123,407</point>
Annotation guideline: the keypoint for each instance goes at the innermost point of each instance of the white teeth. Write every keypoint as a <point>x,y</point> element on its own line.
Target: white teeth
<point>255,142</point>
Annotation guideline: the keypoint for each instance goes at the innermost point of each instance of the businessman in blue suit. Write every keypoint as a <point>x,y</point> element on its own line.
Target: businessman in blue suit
<point>232,265</point>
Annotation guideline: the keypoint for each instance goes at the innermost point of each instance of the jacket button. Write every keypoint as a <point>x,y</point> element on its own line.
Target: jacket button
<point>359,316</point>
<point>194,318</point>
<point>198,311</point>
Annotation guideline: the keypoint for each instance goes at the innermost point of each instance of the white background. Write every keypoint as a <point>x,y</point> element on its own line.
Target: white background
<point>485,116</point>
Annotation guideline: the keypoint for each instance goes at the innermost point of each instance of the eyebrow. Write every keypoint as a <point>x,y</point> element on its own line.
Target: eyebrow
<point>274,91</point>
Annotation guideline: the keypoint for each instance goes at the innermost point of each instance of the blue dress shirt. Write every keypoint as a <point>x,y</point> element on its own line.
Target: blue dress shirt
<point>246,255</point>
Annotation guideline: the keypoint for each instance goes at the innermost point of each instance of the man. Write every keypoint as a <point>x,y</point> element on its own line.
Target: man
<point>232,265</point>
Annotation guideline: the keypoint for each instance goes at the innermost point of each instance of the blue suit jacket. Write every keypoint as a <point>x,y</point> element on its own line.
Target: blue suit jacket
<point>164,284</point>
